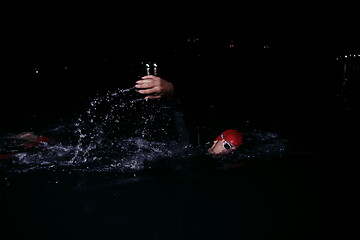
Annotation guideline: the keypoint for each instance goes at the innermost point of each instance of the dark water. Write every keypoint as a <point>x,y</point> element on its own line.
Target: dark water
<point>132,180</point>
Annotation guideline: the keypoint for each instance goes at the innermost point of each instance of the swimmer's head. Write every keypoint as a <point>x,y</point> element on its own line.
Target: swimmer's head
<point>226,142</point>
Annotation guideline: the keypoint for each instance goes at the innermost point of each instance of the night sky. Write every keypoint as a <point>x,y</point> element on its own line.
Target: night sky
<point>59,58</point>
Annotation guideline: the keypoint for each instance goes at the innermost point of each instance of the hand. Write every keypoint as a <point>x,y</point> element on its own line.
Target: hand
<point>155,87</point>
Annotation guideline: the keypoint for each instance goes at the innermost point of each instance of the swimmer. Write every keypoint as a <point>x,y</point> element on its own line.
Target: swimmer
<point>227,142</point>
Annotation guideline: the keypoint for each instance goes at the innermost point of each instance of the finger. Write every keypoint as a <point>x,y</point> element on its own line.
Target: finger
<point>149,91</point>
<point>153,97</point>
<point>143,81</point>
<point>144,84</point>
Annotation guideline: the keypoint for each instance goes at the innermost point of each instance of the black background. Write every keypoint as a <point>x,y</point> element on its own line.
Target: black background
<point>290,89</point>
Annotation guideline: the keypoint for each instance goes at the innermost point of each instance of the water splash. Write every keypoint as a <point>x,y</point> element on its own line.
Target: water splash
<point>119,131</point>
<point>120,115</point>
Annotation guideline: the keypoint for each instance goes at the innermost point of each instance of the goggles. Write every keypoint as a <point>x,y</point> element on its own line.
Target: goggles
<point>227,145</point>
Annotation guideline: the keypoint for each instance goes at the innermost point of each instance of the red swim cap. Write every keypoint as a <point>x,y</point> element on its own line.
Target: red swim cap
<point>232,136</point>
